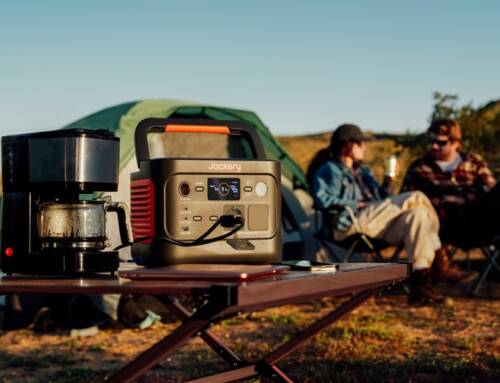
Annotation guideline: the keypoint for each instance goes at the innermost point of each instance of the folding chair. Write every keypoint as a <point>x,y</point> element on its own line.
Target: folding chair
<point>492,252</point>
<point>357,242</point>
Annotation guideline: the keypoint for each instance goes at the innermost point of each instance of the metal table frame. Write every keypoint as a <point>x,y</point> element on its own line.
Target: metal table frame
<point>225,299</point>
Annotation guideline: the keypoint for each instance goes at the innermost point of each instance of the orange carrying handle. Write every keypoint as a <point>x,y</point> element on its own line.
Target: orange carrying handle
<point>170,128</point>
<point>167,125</point>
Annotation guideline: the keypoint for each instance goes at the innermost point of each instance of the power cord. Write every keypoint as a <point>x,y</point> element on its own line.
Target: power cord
<point>236,222</point>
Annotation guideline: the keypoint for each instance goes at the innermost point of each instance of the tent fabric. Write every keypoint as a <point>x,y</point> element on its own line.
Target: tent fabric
<point>122,120</point>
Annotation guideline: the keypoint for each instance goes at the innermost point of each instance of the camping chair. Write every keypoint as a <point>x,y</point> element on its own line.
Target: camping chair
<point>358,242</point>
<point>491,252</point>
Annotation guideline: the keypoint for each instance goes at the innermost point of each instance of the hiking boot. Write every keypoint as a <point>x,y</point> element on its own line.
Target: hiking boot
<point>421,289</point>
<point>446,271</point>
<point>455,274</point>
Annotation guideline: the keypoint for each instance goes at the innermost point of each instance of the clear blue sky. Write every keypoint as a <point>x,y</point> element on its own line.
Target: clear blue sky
<point>302,66</point>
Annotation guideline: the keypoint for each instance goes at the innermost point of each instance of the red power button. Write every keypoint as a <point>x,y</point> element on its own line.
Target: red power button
<point>9,251</point>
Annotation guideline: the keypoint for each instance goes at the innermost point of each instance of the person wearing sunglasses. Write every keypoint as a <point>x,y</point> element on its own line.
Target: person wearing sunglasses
<point>344,184</point>
<point>459,186</point>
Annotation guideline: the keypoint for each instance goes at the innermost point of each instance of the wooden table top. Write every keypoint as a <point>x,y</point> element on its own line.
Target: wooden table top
<point>292,287</point>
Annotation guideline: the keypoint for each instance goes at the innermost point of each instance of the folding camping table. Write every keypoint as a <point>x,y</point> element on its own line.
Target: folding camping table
<point>224,299</point>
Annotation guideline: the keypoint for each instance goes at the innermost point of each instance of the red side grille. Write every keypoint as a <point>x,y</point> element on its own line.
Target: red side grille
<point>142,201</point>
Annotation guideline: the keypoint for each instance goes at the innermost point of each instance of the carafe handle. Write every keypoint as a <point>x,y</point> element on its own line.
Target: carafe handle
<point>121,210</point>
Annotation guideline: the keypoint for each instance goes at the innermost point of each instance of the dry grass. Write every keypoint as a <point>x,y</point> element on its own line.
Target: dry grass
<point>382,341</point>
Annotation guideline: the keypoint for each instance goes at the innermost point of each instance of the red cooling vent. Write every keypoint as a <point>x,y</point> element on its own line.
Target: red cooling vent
<point>142,201</point>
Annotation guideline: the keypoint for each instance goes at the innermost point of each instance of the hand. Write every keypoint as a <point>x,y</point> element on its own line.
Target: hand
<point>362,205</point>
<point>387,181</point>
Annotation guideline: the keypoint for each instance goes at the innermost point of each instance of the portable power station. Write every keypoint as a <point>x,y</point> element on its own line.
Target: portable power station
<point>176,203</point>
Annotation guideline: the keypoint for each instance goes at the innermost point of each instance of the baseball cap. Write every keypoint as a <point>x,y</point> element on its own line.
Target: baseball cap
<point>349,132</point>
<point>446,127</point>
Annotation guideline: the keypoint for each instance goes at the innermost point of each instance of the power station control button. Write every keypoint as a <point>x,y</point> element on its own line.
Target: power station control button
<point>213,218</point>
<point>248,189</point>
<point>199,188</point>
<point>197,218</point>
<point>261,189</point>
<point>184,189</point>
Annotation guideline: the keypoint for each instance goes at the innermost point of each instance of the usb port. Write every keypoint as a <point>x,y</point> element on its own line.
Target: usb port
<point>185,228</point>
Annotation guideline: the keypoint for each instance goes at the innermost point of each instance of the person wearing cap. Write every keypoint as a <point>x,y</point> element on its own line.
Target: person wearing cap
<point>462,189</point>
<point>408,218</point>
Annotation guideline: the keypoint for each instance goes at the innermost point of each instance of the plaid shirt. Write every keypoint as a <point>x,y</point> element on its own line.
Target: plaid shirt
<point>469,180</point>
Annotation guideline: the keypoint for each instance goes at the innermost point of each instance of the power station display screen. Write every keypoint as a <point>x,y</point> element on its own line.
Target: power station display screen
<point>223,189</point>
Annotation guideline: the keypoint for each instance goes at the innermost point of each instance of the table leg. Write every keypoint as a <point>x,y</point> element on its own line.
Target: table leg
<point>196,323</point>
<point>267,365</point>
<point>243,373</point>
<point>273,372</point>
<point>229,376</point>
<point>208,336</point>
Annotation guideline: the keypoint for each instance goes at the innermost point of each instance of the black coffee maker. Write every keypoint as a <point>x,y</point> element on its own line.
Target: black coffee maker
<point>50,223</point>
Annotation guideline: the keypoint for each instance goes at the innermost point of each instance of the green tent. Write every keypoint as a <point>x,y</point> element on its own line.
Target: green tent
<point>122,119</point>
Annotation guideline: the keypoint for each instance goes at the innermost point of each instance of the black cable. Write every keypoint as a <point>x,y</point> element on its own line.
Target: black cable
<point>224,221</point>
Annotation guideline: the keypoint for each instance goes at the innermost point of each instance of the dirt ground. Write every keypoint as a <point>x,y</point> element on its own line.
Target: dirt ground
<point>383,341</point>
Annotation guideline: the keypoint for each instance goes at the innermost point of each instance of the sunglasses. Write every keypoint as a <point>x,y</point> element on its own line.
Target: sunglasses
<point>440,143</point>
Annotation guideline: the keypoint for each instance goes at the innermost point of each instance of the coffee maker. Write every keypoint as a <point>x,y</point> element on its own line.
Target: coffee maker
<point>51,223</point>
